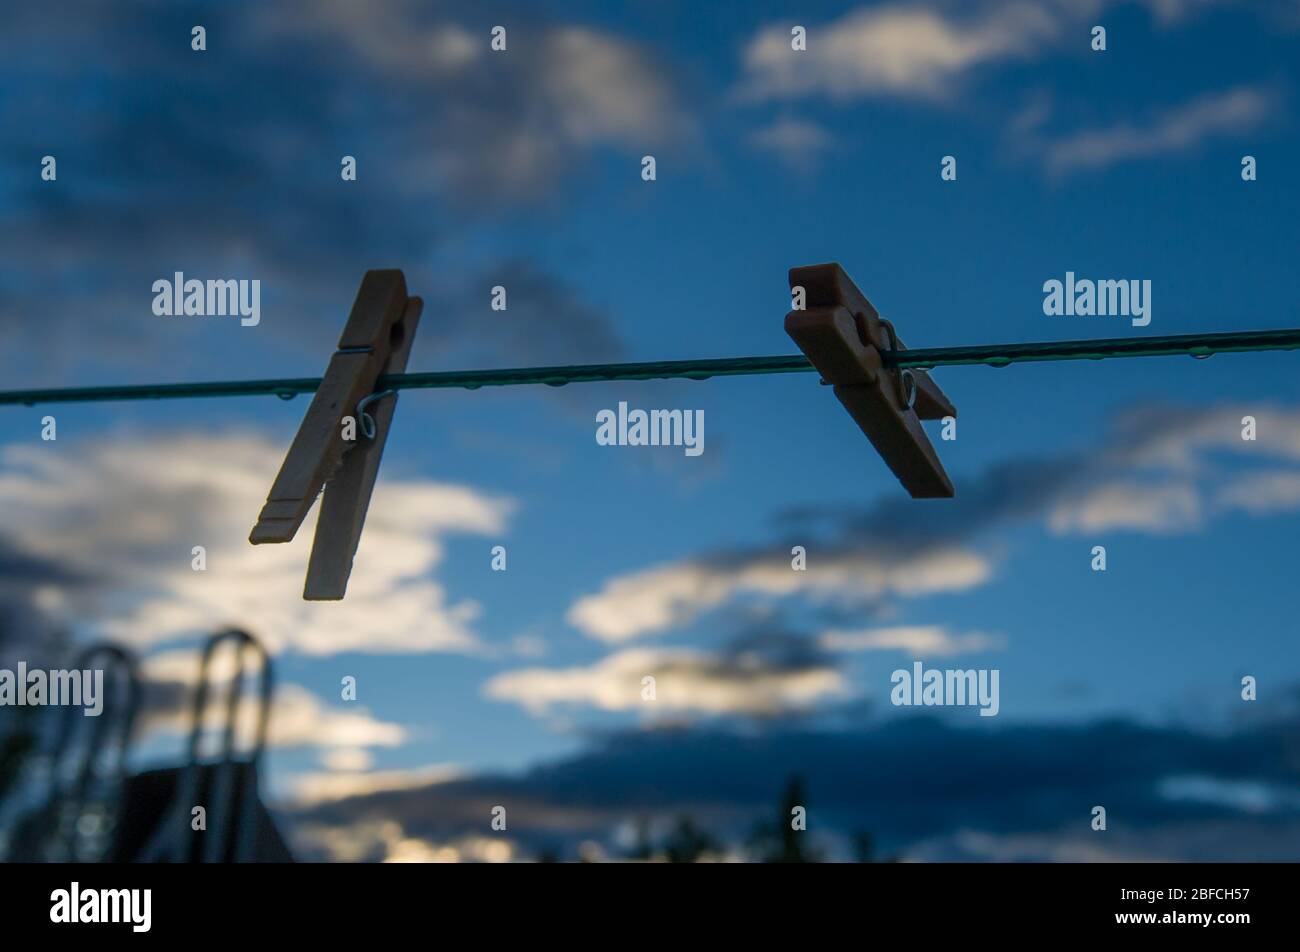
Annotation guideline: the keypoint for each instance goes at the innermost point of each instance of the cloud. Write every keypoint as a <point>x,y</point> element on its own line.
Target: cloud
<point>1163,471</point>
<point>1178,129</point>
<point>923,788</point>
<point>523,122</point>
<point>929,52</point>
<point>798,143</point>
<point>1184,439</point>
<point>494,127</point>
<point>741,682</point>
<point>1159,470</point>
<point>384,841</point>
<point>604,90</point>
<point>316,788</point>
<point>1130,505</point>
<point>500,124</point>
<point>126,513</point>
<point>921,641</point>
<point>298,718</point>
<point>1247,796</point>
<point>348,760</point>
<point>1175,11</point>
<point>546,321</point>
<point>466,849</point>
<point>660,598</point>
<point>919,51</point>
<point>1236,840</point>
<point>396,37</point>
<point>446,135</point>
<point>1262,493</point>
<point>29,588</point>
<point>765,671</point>
<point>896,50</point>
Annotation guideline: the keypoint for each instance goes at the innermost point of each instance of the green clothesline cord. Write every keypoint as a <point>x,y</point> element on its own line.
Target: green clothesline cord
<point>993,355</point>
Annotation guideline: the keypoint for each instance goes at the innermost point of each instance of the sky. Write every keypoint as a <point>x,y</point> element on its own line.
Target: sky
<point>522,168</point>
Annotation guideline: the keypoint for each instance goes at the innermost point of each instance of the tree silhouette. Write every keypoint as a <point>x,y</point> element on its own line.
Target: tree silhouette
<point>780,842</point>
<point>642,849</point>
<point>688,843</point>
<point>864,849</point>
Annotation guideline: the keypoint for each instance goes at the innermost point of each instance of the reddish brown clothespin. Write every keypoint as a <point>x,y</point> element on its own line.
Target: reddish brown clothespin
<point>376,340</point>
<point>844,337</point>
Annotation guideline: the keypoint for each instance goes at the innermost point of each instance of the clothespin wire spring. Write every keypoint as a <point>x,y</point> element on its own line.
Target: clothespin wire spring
<point>368,427</point>
<point>906,381</point>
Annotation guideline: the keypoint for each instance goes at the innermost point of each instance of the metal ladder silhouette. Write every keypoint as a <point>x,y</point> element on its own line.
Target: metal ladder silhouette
<point>53,831</point>
<point>231,832</point>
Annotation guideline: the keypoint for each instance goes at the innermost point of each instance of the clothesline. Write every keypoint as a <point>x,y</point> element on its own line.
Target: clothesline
<point>993,355</point>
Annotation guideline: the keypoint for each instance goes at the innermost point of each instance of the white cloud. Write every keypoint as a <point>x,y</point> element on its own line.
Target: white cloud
<point>685,680</point>
<point>604,90</point>
<point>503,125</point>
<point>127,512</point>
<point>1158,473</point>
<point>978,846</point>
<point>920,50</point>
<point>798,143</point>
<point>387,842</point>
<point>1174,130</point>
<point>1261,493</point>
<point>391,36</point>
<point>1162,476</point>
<point>1126,504</point>
<point>306,789</point>
<point>898,49</point>
<point>659,598</point>
<point>466,849</point>
<point>523,120</point>
<point>351,760</point>
<point>928,51</point>
<point>1184,443</point>
<point>1247,796</point>
<point>298,718</point>
<point>1174,11</point>
<point>921,641</point>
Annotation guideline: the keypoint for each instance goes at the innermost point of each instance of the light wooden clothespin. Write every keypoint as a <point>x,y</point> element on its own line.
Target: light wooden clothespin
<point>376,341</point>
<point>843,336</point>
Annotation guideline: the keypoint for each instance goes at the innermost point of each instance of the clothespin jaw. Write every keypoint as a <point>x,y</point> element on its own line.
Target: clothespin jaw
<point>844,336</point>
<point>376,340</point>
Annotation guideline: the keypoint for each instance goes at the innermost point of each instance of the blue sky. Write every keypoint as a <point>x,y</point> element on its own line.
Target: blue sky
<point>522,168</point>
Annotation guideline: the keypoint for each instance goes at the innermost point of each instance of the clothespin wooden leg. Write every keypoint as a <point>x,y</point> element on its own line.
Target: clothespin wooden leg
<point>347,494</point>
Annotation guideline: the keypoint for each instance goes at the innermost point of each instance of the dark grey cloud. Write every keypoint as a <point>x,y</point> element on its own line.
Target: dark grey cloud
<point>1160,469</point>
<point>776,648</point>
<point>26,632</point>
<point>546,321</point>
<point>1148,444</point>
<point>914,783</point>
<point>226,162</point>
<point>1141,437</point>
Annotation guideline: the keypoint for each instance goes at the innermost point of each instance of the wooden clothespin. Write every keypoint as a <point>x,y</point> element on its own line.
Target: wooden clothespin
<point>844,337</point>
<point>376,340</point>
